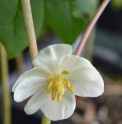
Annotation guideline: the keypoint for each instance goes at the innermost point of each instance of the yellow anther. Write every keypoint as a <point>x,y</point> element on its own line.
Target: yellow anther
<point>64,72</point>
<point>49,86</point>
<point>49,78</point>
<point>69,86</point>
<point>53,94</point>
<point>60,98</point>
<point>56,85</point>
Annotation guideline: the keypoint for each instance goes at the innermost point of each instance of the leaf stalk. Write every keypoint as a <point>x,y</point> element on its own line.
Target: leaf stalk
<point>90,27</point>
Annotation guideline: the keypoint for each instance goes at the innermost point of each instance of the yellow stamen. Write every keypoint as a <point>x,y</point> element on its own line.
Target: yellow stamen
<point>57,84</point>
<point>64,72</point>
<point>49,86</point>
<point>49,78</point>
<point>69,86</point>
<point>53,94</point>
<point>60,98</point>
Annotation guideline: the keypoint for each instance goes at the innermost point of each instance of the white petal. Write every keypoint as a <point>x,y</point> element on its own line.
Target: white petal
<point>86,80</point>
<point>55,110</point>
<point>28,87</point>
<point>51,55</point>
<point>41,72</point>
<point>33,105</point>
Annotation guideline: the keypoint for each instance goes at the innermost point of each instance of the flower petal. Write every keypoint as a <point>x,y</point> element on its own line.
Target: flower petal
<point>51,55</point>
<point>28,87</point>
<point>86,80</point>
<point>33,105</point>
<point>41,72</point>
<point>55,110</point>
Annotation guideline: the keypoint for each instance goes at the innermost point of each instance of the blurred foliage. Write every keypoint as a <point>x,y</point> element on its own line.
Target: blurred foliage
<point>12,30</point>
<point>66,19</point>
<point>63,0</point>
<point>69,22</point>
<point>0,65</point>
<point>117,4</point>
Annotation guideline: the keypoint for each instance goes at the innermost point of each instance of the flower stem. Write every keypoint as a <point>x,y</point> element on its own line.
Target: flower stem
<point>45,120</point>
<point>26,7</point>
<point>90,26</point>
<point>5,86</point>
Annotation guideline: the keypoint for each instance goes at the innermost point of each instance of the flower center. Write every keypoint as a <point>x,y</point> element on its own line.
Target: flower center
<point>56,85</point>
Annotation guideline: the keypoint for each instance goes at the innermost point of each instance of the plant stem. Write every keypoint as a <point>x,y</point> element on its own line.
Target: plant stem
<point>89,46</point>
<point>19,63</point>
<point>5,87</point>
<point>45,120</point>
<point>26,7</point>
<point>90,26</point>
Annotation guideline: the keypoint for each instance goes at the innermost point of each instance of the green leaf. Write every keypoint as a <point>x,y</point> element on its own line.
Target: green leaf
<point>12,29</point>
<point>68,19</point>
<point>63,0</point>
<point>84,8</point>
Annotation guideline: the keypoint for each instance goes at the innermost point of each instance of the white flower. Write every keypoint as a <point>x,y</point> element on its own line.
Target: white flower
<point>57,77</point>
